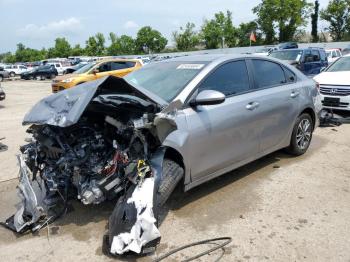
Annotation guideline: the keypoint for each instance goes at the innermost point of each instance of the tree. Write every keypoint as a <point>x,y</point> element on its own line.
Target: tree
<point>337,14</point>
<point>187,39</point>
<point>62,47</point>
<point>123,45</point>
<point>95,45</point>
<point>314,22</point>
<point>243,33</point>
<point>282,16</point>
<point>77,50</point>
<point>219,31</point>
<point>150,39</point>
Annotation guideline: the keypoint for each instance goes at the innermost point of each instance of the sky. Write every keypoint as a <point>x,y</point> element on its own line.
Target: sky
<point>36,23</point>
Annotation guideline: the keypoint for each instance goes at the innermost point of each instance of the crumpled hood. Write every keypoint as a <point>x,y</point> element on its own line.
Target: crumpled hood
<point>333,78</point>
<point>66,107</point>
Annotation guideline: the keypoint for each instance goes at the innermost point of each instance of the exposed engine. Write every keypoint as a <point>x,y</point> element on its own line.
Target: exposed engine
<point>94,143</point>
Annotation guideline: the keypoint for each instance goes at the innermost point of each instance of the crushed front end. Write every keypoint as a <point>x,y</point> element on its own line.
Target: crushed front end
<point>91,145</point>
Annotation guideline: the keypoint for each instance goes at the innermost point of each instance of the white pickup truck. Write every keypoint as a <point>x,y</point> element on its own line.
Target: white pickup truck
<point>15,69</point>
<point>59,67</point>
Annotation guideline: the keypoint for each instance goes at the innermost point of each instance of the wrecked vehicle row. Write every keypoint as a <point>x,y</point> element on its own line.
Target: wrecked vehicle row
<point>133,140</point>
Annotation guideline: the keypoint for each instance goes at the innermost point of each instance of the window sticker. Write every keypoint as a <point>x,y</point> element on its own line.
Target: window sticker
<point>190,66</point>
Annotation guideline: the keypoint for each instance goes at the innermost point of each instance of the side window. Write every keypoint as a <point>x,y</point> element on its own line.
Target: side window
<point>130,64</point>
<point>229,79</point>
<point>268,74</point>
<point>104,67</point>
<point>315,55</point>
<point>58,65</point>
<point>338,53</point>
<point>323,55</point>
<point>118,65</point>
<point>308,56</point>
<point>290,76</point>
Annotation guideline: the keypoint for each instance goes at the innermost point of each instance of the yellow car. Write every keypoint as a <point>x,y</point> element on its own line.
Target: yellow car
<point>95,70</point>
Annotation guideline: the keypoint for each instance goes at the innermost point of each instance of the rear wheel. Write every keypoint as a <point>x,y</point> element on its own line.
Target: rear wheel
<point>12,74</point>
<point>301,135</point>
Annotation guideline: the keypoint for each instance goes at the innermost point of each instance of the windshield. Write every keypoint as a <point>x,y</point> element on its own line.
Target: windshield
<point>342,64</point>
<point>165,79</point>
<point>288,55</point>
<point>85,68</point>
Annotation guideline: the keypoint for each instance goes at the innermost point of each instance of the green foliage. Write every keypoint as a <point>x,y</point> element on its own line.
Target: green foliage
<point>219,31</point>
<point>187,39</point>
<point>77,51</point>
<point>62,48</point>
<point>314,22</point>
<point>95,45</point>
<point>337,14</point>
<point>123,45</point>
<point>150,40</point>
<point>25,54</point>
<point>243,34</point>
<point>282,16</point>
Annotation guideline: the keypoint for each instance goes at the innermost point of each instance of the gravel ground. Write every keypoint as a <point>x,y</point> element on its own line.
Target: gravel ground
<point>278,208</point>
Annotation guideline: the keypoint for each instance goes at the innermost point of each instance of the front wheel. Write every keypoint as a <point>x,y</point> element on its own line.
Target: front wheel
<point>12,74</point>
<point>301,135</point>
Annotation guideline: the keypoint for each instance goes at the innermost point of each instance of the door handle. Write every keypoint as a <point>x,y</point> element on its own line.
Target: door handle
<point>252,105</point>
<point>294,94</point>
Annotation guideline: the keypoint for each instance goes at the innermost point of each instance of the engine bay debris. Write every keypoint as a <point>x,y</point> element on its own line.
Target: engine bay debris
<point>93,143</point>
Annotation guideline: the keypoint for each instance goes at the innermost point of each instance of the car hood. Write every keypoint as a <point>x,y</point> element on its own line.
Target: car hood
<point>333,78</point>
<point>64,77</point>
<point>66,107</point>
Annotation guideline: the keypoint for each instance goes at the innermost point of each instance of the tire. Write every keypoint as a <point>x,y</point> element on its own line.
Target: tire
<point>301,135</point>
<point>172,174</point>
<point>38,77</point>
<point>12,74</point>
<point>1,78</point>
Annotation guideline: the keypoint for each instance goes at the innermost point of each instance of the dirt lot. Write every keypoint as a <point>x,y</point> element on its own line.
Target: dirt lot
<point>278,208</point>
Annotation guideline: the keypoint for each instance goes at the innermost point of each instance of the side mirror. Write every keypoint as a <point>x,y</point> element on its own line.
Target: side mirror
<point>208,97</point>
<point>95,71</point>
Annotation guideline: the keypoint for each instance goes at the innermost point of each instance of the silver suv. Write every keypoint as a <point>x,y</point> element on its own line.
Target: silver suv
<point>188,119</point>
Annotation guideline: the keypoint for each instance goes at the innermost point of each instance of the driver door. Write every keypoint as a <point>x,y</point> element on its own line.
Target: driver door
<point>225,134</point>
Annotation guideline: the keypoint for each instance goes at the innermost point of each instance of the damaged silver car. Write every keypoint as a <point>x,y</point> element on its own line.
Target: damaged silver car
<point>132,140</point>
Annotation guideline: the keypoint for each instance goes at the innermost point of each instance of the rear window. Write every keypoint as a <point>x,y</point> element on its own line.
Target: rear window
<point>268,74</point>
<point>290,55</point>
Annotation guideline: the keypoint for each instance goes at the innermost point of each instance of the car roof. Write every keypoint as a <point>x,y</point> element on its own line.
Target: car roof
<point>300,49</point>
<point>117,60</point>
<point>209,57</point>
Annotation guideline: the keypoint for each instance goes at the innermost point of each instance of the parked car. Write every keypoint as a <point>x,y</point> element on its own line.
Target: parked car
<point>72,69</point>
<point>185,120</point>
<point>95,70</point>
<point>333,54</point>
<point>310,61</point>
<point>265,51</point>
<point>346,50</point>
<point>335,85</point>
<point>2,94</point>
<point>288,45</point>
<point>60,67</point>
<point>15,69</point>
<point>40,73</point>
<point>3,74</point>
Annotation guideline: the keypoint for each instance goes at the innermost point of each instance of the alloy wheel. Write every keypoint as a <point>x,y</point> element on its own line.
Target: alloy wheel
<point>303,136</point>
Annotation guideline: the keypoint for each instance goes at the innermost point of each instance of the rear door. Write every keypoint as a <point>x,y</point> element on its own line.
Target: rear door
<point>277,92</point>
<point>224,134</point>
